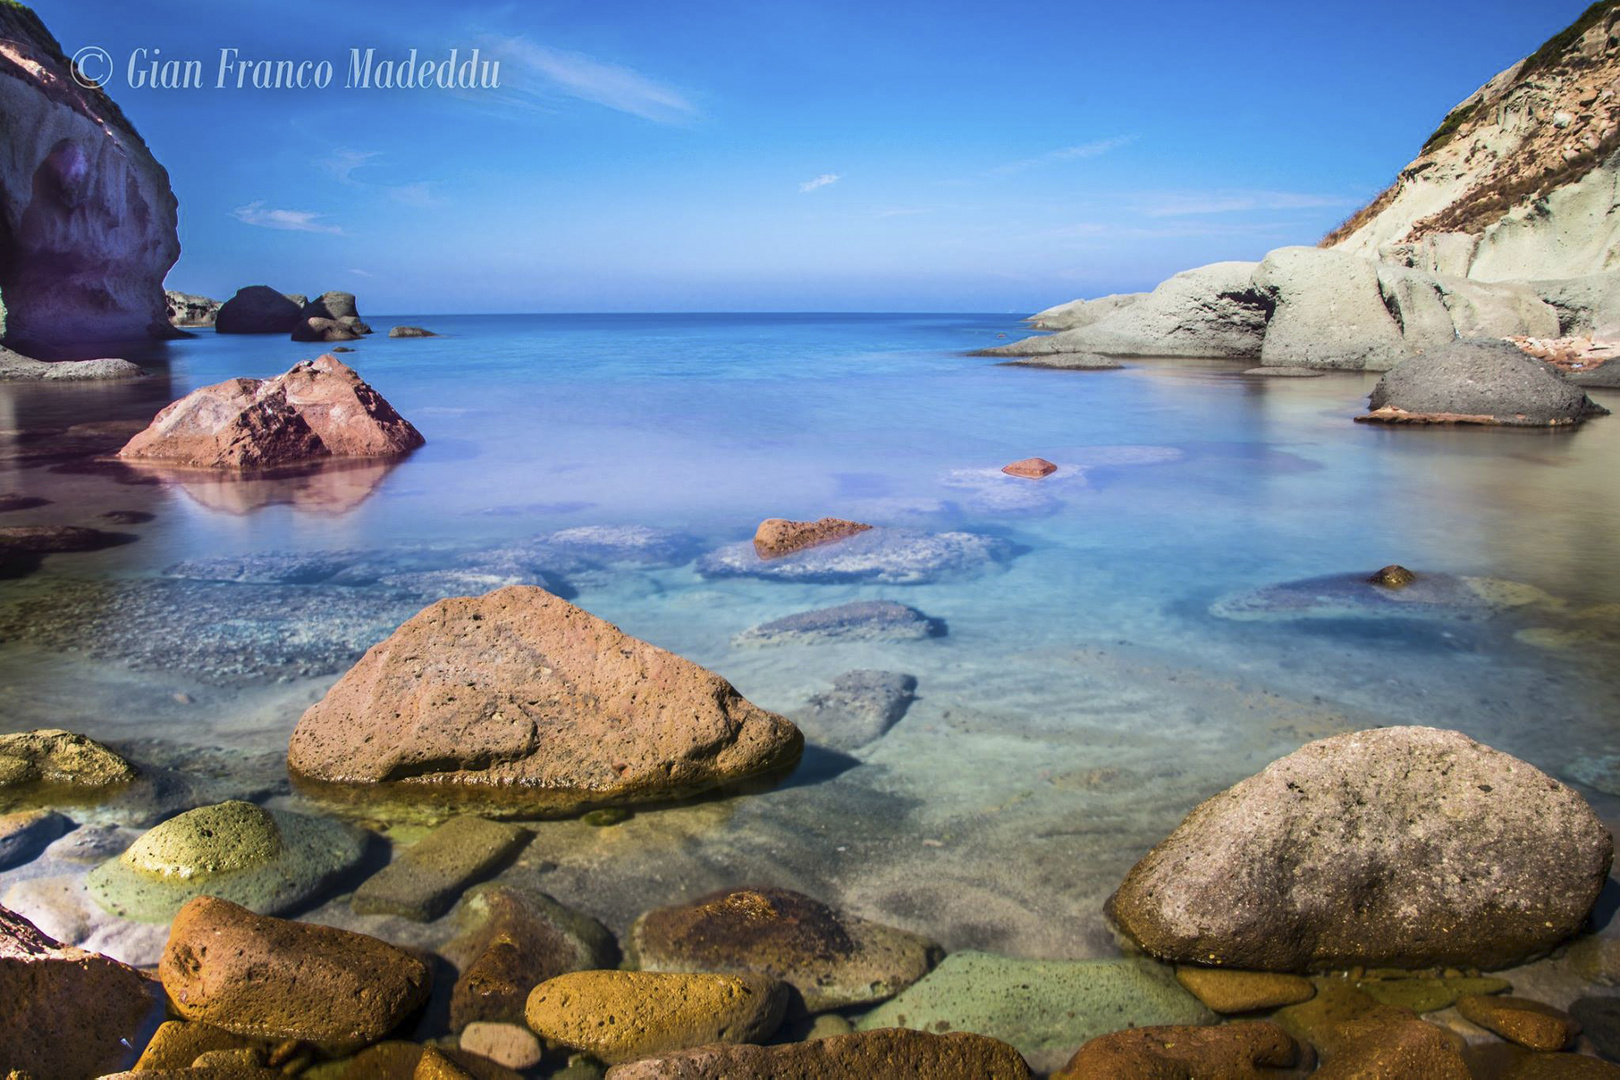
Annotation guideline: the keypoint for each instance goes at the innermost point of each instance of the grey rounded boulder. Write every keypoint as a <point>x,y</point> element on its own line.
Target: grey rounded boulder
<point>1478,382</point>
<point>1406,847</point>
<point>265,860</point>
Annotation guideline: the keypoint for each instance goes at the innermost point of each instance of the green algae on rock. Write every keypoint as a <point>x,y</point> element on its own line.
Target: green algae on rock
<point>265,860</point>
<point>56,758</point>
<point>425,879</point>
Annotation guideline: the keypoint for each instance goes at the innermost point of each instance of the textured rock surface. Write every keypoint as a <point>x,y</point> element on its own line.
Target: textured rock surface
<point>521,694</point>
<point>894,1052</point>
<point>512,939</point>
<point>258,309</point>
<point>86,212</point>
<point>653,1013</point>
<point>426,878</point>
<point>777,537</point>
<point>315,328</point>
<point>511,1045</point>
<point>1394,1048</point>
<point>1528,1023</point>
<point>24,834</point>
<point>318,409</point>
<point>269,978</point>
<point>1030,468</point>
<point>1329,312</point>
<point>883,556</point>
<point>60,759</point>
<point>859,709</point>
<point>1402,847</point>
<point>862,620</point>
<point>1228,991</point>
<point>1230,1051</point>
<point>1481,382</point>
<point>188,309</point>
<point>410,331</point>
<point>834,959</point>
<point>15,367</point>
<point>176,1044</point>
<point>65,1012</point>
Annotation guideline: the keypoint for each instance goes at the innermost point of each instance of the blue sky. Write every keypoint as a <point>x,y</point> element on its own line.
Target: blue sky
<point>872,155</point>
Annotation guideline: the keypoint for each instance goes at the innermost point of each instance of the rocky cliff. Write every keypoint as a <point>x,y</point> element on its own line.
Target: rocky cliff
<point>1520,181</point>
<point>87,219</point>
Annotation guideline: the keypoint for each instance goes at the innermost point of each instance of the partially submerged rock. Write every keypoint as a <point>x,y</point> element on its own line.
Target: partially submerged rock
<point>1400,847</point>
<point>861,620</point>
<point>319,409</point>
<point>859,709</point>
<point>24,834</point>
<point>523,698</point>
<point>1229,991</point>
<point>1529,1023</point>
<point>1356,596</point>
<point>23,547</point>
<point>1380,1048</point>
<point>1034,468</point>
<point>265,860</point>
<point>410,331</point>
<point>892,1052</point>
<point>189,309</point>
<point>60,759</point>
<point>426,878</point>
<point>258,309</point>
<point>832,958</point>
<point>1230,1050</point>
<point>1477,382</point>
<point>1066,361</point>
<point>269,978</point>
<point>15,367</point>
<point>315,328</point>
<point>883,556</point>
<point>777,537</point>
<point>1393,576</point>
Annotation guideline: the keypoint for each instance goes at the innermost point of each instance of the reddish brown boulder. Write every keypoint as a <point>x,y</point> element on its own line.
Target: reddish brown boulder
<point>1528,1023</point>
<point>1032,468</point>
<point>318,409</point>
<point>777,537</point>
<point>917,1055</point>
<point>522,698</point>
<point>67,1012</point>
<point>273,978</point>
<point>1229,1052</point>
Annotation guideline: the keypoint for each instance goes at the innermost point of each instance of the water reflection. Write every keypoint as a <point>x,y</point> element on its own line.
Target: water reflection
<point>329,489</point>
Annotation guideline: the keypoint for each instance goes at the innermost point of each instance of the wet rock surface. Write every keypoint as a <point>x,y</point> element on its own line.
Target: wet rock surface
<point>862,620</point>
<point>1228,991</point>
<point>881,556</point>
<point>777,537</point>
<point>1529,1023</point>
<point>859,709</point>
<point>427,878</point>
<point>894,1052</point>
<point>60,759</point>
<point>24,547</point>
<point>1232,1050</point>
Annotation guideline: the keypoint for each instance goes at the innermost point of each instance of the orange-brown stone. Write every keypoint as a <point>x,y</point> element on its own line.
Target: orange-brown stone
<point>777,537</point>
<point>1032,468</point>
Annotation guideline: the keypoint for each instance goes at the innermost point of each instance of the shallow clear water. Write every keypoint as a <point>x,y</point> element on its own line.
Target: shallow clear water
<point>1084,698</point>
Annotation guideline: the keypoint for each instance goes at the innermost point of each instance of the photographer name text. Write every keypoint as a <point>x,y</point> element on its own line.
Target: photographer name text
<point>361,69</point>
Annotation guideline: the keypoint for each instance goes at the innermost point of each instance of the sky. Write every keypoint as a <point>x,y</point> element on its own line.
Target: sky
<point>857,155</point>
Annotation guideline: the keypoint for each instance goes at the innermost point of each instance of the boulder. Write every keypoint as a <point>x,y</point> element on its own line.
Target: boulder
<point>1520,1020</point>
<point>519,695</point>
<point>777,537</point>
<point>1401,847</point>
<point>859,709</point>
<point>861,620</point>
<point>319,409</point>
<point>653,1012</point>
<point>1077,313</point>
<point>832,958</point>
<point>512,939</point>
<point>86,213</point>
<point>410,331</point>
<point>894,1052</point>
<point>1394,1048</point>
<point>15,367</point>
<point>1231,1050</point>
<point>336,306</point>
<point>1433,310</point>
<point>1481,382</point>
<point>427,877</point>
<point>26,833</point>
<point>187,309</point>
<point>65,1012</point>
<point>1030,468</point>
<point>880,556</point>
<point>265,860</point>
<point>1329,312</point>
<point>53,758</point>
<point>1586,306</point>
<point>259,309</point>
<point>315,328</point>
<point>269,978</point>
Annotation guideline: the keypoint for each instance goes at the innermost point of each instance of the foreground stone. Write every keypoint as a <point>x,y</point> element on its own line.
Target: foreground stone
<point>1528,1023</point>
<point>426,878</point>
<point>1401,847</point>
<point>66,1012</point>
<point>881,556</point>
<point>177,1044</point>
<point>59,758</point>
<point>511,940</point>
<point>265,860</point>
<point>832,958</point>
<point>860,708</point>
<point>1228,991</point>
<point>1395,1048</point>
<point>319,409</point>
<point>258,309</point>
<point>270,978</point>
<point>862,620</point>
<point>653,1013</point>
<point>777,537</point>
<point>1228,1051</point>
<point>522,695</point>
<point>15,367</point>
<point>893,1052</point>
<point>1478,383</point>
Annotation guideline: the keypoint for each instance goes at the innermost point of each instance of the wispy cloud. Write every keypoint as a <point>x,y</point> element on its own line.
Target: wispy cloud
<point>820,182</point>
<point>539,68</point>
<point>256,213</point>
<point>419,195</point>
<point>357,272</point>
<point>1197,204</point>
<point>1093,149</point>
<point>343,162</point>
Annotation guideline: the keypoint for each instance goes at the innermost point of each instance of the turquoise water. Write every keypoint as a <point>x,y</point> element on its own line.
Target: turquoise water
<point>1085,696</point>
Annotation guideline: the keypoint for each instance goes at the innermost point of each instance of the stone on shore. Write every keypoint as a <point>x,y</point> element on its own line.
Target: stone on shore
<point>1228,991</point>
<point>65,1012</point>
<point>1398,847</point>
<point>859,709</point>
<point>777,537</point>
<point>1478,382</point>
<point>410,331</point>
<point>862,620</point>
<point>653,1012</point>
<point>26,833</point>
<point>270,978</point>
<point>832,958</point>
<point>880,556</point>
<point>426,878</point>
<point>1228,1051</point>
<point>267,861</point>
<point>318,409</point>
<point>1045,1008</point>
<point>258,309</point>
<point>512,939</point>
<point>1030,468</point>
<point>893,1052</point>
<point>521,698</point>
<point>54,758</point>
<point>1520,1020</point>
<point>15,367</point>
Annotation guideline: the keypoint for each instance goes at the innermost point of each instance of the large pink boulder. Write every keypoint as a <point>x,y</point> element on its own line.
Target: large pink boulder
<point>319,409</point>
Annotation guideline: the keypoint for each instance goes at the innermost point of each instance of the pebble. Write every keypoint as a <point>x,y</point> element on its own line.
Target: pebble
<point>506,1044</point>
<point>1528,1023</point>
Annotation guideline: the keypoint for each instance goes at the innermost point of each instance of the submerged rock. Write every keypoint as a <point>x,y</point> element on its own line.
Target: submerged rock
<point>653,1013</point>
<point>56,758</point>
<point>859,709</point>
<point>1401,847</point>
<point>24,547</point>
<point>777,537</point>
<point>319,409</point>
<point>832,958</point>
<point>1230,1050</point>
<point>265,860</point>
<point>1228,991</point>
<point>270,978</point>
<point>427,877</point>
<point>862,620</point>
<point>894,1052</point>
<point>884,556</point>
<point>1066,361</point>
<point>1475,382</point>
<point>1355,596</point>
<point>258,309</point>
<point>1528,1023</point>
<point>523,698</point>
<point>26,833</point>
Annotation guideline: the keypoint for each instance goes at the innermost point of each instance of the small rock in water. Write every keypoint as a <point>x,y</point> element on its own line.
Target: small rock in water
<point>863,620</point>
<point>128,517</point>
<point>606,816</point>
<point>410,331</point>
<point>1230,1050</point>
<point>10,503</point>
<point>1393,576</point>
<point>1394,1048</point>
<point>777,537</point>
<point>1229,991</point>
<point>26,833</point>
<point>883,556</point>
<point>23,547</point>
<point>860,708</point>
<point>427,877</point>
<point>1477,382</point>
<point>653,1012</point>
<point>869,1055</point>
<point>505,1044</point>
<point>1427,993</point>
<point>1030,468</point>
<point>60,759</point>
<point>271,978</point>
<point>1520,1020</point>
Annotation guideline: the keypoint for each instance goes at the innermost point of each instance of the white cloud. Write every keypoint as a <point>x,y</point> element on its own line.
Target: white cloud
<point>588,79</point>
<point>1065,153</point>
<point>357,272</point>
<point>256,213</point>
<point>419,195</point>
<point>343,163</point>
<point>820,182</point>
<point>1196,204</point>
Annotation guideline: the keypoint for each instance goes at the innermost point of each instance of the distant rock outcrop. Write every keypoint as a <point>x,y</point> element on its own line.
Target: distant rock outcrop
<point>259,309</point>
<point>15,367</point>
<point>87,218</point>
<point>188,309</point>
